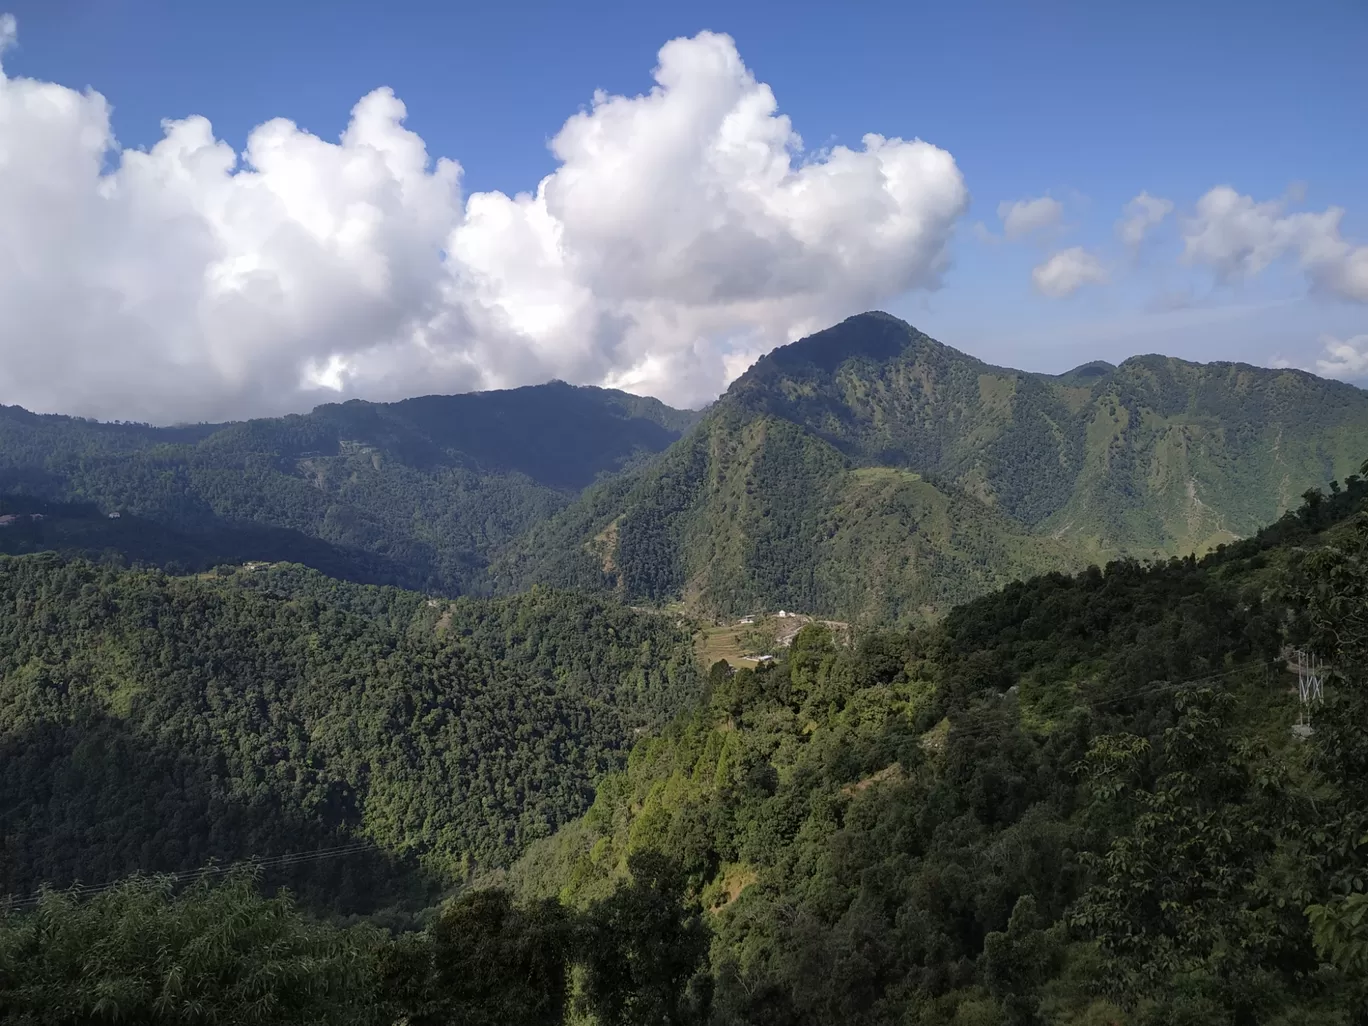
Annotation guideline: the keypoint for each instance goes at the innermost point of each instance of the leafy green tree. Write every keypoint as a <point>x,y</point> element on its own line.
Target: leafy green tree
<point>643,947</point>
<point>1183,891</point>
<point>483,962</point>
<point>1330,594</point>
<point>1340,930</point>
<point>216,954</point>
<point>1018,961</point>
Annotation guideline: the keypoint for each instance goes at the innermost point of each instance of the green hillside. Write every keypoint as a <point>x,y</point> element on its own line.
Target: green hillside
<point>747,514</point>
<point>867,472</point>
<point>873,473</point>
<point>154,723</point>
<point>1075,801</point>
<point>417,493</point>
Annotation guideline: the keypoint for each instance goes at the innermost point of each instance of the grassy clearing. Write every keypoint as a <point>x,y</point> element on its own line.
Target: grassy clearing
<point>741,643</point>
<point>729,643</point>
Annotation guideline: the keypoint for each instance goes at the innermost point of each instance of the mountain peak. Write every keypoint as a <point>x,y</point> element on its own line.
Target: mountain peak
<point>1086,373</point>
<point>874,335</point>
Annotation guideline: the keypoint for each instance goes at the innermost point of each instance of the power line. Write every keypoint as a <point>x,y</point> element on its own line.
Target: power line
<point>254,862</point>
<point>1157,687</point>
<point>1153,688</point>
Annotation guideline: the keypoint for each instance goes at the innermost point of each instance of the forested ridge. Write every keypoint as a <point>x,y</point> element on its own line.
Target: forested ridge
<point>152,723</point>
<point>1077,800</point>
<point>872,473</point>
<point>418,493</point>
<point>1056,769</point>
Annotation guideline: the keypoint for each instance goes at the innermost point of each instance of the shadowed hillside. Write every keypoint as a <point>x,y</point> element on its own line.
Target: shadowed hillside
<point>417,493</point>
<point>154,723</point>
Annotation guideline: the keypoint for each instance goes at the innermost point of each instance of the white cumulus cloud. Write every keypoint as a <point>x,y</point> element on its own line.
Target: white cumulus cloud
<point>1067,271</point>
<point>683,232</point>
<point>1344,359</point>
<point>1141,214</point>
<point>1022,217</point>
<point>1238,237</point>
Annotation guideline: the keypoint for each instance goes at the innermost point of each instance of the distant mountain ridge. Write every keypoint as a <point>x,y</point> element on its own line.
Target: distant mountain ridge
<point>867,471</point>
<point>871,471</point>
<point>417,492</point>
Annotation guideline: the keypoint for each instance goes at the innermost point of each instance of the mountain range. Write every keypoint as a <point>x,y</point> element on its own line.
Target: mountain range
<point>867,472</point>
<point>414,493</point>
<point>1078,800</point>
<point>527,787</point>
<point>872,472</point>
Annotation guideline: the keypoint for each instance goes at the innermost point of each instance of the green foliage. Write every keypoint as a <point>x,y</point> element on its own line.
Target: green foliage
<point>1340,931</point>
<point>1185,890</point>
<point>643,946</point>
<point>1332,594</point>
<point>152,723</point>
<point>219,953</point>
<point>215,955</point>
<point>1074,801</point>
<point>1018,961</point>
<point>484,962</point>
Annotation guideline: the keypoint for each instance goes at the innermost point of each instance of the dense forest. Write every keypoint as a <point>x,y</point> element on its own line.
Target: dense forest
<point>871,473</point>
<point>417,493</point>
<point>151,723</point>
<point>221,954</point>
<point>272,752</point>
<point>786,522</point>
<point>1079,800</point>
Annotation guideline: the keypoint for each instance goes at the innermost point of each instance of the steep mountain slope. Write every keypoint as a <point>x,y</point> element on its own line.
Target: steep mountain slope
<point>759,513</point>
<point>416,493</point>
<point>153,723</point>
<point>873,472</point>
<point>1078,800</point>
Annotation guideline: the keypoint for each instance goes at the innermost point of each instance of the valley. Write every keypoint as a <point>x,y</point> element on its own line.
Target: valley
<point>683,515</point>
<point>893,688</point>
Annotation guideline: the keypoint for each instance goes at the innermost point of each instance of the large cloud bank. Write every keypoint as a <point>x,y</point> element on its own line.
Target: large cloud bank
<point>683,232</point>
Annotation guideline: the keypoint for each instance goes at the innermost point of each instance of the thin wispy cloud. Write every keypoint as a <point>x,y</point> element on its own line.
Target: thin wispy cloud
<point>1022,218</point>
<point>1067,271</point>
<point>1142,214</point>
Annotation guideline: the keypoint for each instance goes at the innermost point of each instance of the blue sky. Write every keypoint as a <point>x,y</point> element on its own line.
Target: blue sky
<point>1089,104</point>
